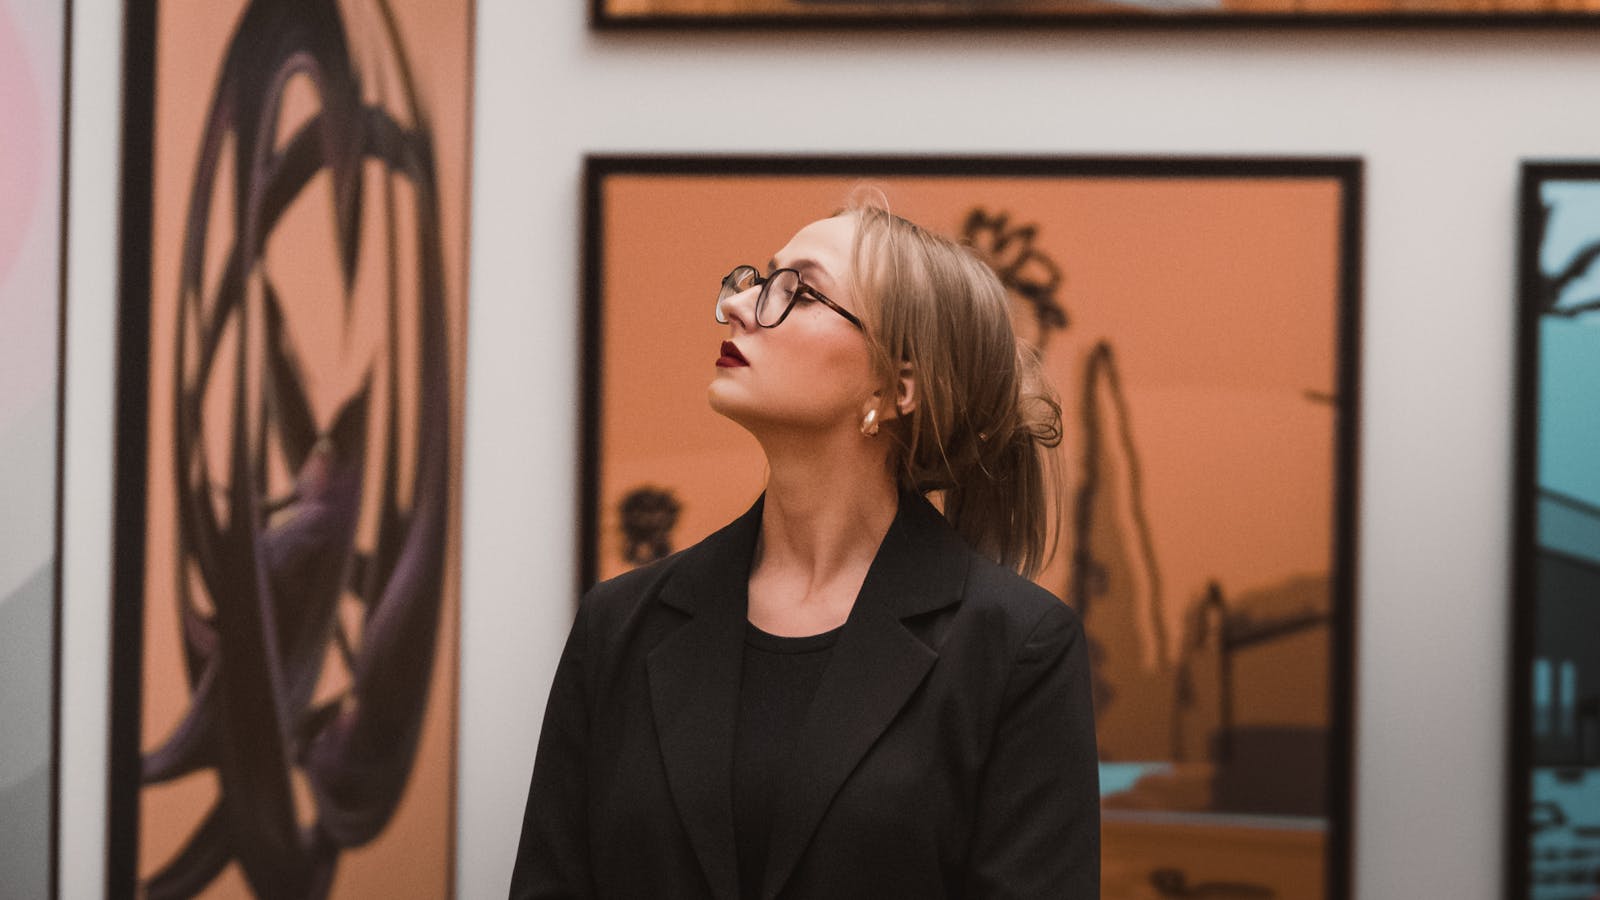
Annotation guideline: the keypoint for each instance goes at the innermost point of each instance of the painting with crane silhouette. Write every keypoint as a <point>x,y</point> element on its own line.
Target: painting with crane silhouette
<point>1198,320</point>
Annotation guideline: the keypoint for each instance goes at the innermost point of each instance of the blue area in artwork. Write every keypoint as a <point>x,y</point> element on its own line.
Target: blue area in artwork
<point>1564,847</point>
<point>1569,406</point>
<point>1569,351</point>
<point>1574,224</point>
<point>1118,777</point>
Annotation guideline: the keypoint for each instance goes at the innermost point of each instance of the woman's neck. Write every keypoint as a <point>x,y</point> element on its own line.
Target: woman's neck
<point>828,505</point>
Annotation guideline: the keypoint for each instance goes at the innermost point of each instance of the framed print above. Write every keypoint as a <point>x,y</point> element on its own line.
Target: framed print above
<point>1198,320</point>
<point>634,14</point>
<point>33,103</point>
<point>1553,837</point>
<point>287,543</point>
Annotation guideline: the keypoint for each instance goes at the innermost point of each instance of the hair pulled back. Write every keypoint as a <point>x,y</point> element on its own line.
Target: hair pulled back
<point>984,417</point>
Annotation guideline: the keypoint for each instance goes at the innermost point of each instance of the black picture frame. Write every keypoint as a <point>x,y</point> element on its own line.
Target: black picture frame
<point>1536,294</point>
<point>602,19</point>
<point>131,437</point>
<point>1347,172</point>
<point>63,199</point>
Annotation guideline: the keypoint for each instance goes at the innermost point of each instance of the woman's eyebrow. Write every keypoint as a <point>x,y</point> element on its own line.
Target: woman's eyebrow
<point>803,266</point>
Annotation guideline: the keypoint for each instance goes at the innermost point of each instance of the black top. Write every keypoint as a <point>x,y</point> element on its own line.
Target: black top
<point>779,675</point>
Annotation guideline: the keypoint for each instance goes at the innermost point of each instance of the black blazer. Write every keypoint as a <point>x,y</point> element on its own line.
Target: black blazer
<point>949,750</point>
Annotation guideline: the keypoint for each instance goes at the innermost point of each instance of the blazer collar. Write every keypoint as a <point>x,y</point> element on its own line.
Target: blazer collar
<point>919,566</point>
<point>877,663</point>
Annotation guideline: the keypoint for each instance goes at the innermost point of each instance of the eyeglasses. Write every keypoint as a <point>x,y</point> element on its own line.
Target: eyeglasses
<point>780,291</point>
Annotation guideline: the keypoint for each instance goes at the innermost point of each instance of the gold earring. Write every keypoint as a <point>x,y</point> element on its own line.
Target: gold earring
<point>869,425</point>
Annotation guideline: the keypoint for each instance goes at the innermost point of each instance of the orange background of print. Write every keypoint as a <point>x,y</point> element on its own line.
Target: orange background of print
<point>1220,296</point>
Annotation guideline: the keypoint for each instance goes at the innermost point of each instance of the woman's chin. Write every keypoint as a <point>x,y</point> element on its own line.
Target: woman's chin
<point>721,397</point>
<point>739,409</point>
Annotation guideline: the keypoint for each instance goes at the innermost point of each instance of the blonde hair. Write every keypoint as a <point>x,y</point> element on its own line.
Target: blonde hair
<point>984,416</point>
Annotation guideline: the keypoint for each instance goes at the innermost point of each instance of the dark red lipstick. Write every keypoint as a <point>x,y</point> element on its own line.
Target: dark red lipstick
<point>731,356</point>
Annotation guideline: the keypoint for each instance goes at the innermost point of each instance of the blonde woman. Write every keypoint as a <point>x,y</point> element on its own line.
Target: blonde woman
<point>846,692</point>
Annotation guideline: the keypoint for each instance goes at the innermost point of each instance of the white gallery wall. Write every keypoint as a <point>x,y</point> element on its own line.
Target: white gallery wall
<point>1442,120</point>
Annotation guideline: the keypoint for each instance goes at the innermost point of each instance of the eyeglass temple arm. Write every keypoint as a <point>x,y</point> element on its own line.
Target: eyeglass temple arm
<point>849,316</point>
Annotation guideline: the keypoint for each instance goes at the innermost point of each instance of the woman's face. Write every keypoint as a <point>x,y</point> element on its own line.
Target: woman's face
<point>812,371</point>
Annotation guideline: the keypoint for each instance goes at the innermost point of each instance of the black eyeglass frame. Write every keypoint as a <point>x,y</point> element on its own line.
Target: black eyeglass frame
<point>765,282</point>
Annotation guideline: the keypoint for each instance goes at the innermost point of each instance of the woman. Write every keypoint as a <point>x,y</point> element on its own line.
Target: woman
<point>845,693</point>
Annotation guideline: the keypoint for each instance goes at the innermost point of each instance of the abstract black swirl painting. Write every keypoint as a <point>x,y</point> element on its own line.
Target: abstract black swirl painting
<point>289,440</point>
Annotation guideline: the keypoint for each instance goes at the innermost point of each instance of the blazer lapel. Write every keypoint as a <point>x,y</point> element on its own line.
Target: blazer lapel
<point>694,689</point>
<point>876,665</point>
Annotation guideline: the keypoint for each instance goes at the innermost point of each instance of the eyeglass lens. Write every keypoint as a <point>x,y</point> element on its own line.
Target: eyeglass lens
<point>738,281</point>
<point>776,292</point>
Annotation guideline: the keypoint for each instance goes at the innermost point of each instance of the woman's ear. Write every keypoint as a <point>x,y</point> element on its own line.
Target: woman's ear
<point>905,400</point>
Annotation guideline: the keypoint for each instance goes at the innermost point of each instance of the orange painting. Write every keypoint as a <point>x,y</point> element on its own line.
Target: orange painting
<point>623,12</point>
<point>307,300</point>
<point>1191,321</point>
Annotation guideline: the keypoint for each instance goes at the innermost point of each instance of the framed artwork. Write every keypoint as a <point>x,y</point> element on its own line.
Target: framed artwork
<point>33,72</point>
<point>1198,318</point>
<point>1553,835</point>
<point>293,303</point>
<point>633,14</point>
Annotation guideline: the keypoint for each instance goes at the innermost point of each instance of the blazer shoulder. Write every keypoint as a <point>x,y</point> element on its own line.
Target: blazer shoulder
<point>618,597</point>
<point>628,596</point>
<point>1023,609</point>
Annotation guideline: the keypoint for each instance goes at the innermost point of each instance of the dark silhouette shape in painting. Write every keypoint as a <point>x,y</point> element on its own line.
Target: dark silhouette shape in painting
<point>1025,270</point>
<point>648,515</point>
<point>1553,286</point>
<point>348,565</point>
<point>1107,564</point>
<point>1203,686</point>
<point>1115,580</point>
<point>1174,883</point>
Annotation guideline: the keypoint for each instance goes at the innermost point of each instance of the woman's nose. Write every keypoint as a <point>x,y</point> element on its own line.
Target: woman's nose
<point>741,307</point>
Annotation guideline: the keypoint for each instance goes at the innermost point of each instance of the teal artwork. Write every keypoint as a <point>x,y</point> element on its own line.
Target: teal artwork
<point>1555,853</point>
